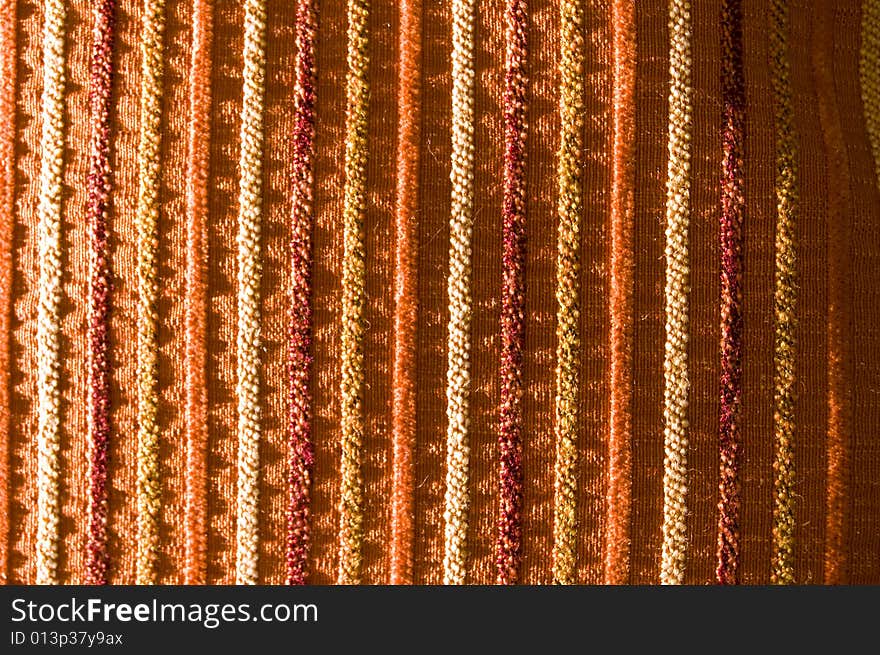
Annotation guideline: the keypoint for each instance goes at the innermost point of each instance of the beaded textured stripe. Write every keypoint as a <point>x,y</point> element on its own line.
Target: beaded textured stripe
<point>206,377</point>
<point>301,457</point>
<point>149,494</point>
<point>48,315</point>
<point>8,53</point>
<point>675,365</point>
<point>351,509</point>
<point>100,88</point>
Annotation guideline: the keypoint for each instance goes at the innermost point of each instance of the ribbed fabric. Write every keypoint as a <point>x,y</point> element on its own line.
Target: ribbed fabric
<point>675,365</point>
<point>406,291</point>
<point>839,320</point>
<point>301,456</point>
<point>461,224</point>
<point>149,491</point>
<point>509,544</point>
<point>351,514</point>
<point>48,314</point>
<point>619,503</point>
<point>198,155</point>
<point>869,70</point>
<point>250,213</point>
<point>8,52</point>
<point>784,300</point>
<point>99,187</point>
<point>570,211</point>
<point>731,248</point>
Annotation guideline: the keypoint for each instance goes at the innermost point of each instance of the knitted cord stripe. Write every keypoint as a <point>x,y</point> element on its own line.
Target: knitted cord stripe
<point>247,388</point>
<point>570,209</point>
<point>351,509</point>
<point>98,189</point>
<point>732,251</point>
<point>299,356</point>
<point>677,289</point>
<point>8,52</point>
<point>461,222</point>
<point>838,236</point>
<point>869,71</point>
<point>619,501</point>
<point>48,313</point>
<point>149,500</point>
<point>406,291</point>
<point>784,300</point>
<point>195,298</point>
<point>508,546</point>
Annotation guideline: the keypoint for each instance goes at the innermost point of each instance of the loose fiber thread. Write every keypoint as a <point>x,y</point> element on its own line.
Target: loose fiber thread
<point>838,232</point>
<point>195,299</point>
<point>149,491</point>
<point>406,291</point>
<point>461,223</point>
<point>617,540</point>
<point>784,300</point>
<point>351,515</point>
<point>570,208</point>
<point>8,53</point>
<point>48,312</point>
<point>869,70</point>
<point>99,187</point>
<point>249,273</point>
<point>677,289</point>
<point>508,546</point>
<point>301,455</point>
<point>731,247</point>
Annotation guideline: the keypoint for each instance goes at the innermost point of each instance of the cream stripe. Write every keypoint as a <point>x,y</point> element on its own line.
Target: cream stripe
<point>146,219</point>
<point>460,300</point>
<point>48,313</point>
<point>249,271</point>
<point>675,366</point>
<point>351,517</point>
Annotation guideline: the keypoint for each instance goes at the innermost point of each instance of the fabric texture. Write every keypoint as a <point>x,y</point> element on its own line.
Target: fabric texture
<point>369,292</point>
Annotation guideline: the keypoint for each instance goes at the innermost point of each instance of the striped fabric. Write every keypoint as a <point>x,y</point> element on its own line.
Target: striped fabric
<point>357,292</point>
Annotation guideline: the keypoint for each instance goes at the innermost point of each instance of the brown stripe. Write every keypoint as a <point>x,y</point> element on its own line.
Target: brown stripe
<point>838,232</point>
<point>617,540</point>
<point>196,294</point>
<point>7,220</point>
<point>403,407</point>
<point>99,186</point>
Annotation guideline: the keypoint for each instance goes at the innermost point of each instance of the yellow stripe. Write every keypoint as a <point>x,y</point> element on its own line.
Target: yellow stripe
<point>675,366</point>
<point>353,292</point>
<point>570,209</point>
<point>48,312</point>
<point>249,273</point>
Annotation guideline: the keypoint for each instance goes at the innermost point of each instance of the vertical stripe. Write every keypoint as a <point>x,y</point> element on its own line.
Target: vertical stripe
<point>675,365</point>
<point>869,70</point>
<point>353,295</point>
<point>195,299</point>
<point>509,541</point>
<point>461,223</point>
<point>48,313</point>
<point>731,251</point>
<point>250,192</point>
<point>99,184</point>
<point>838,233</point>
<point>8,52</point>
<point>301,455</point>
<point>406,291</point>
<point>617,541</point>
<point>570,209</point>
<point>146,218</point>
<point>784,301</point>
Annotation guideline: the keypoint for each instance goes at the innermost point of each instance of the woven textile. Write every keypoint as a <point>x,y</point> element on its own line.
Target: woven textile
<point>367,292</point>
